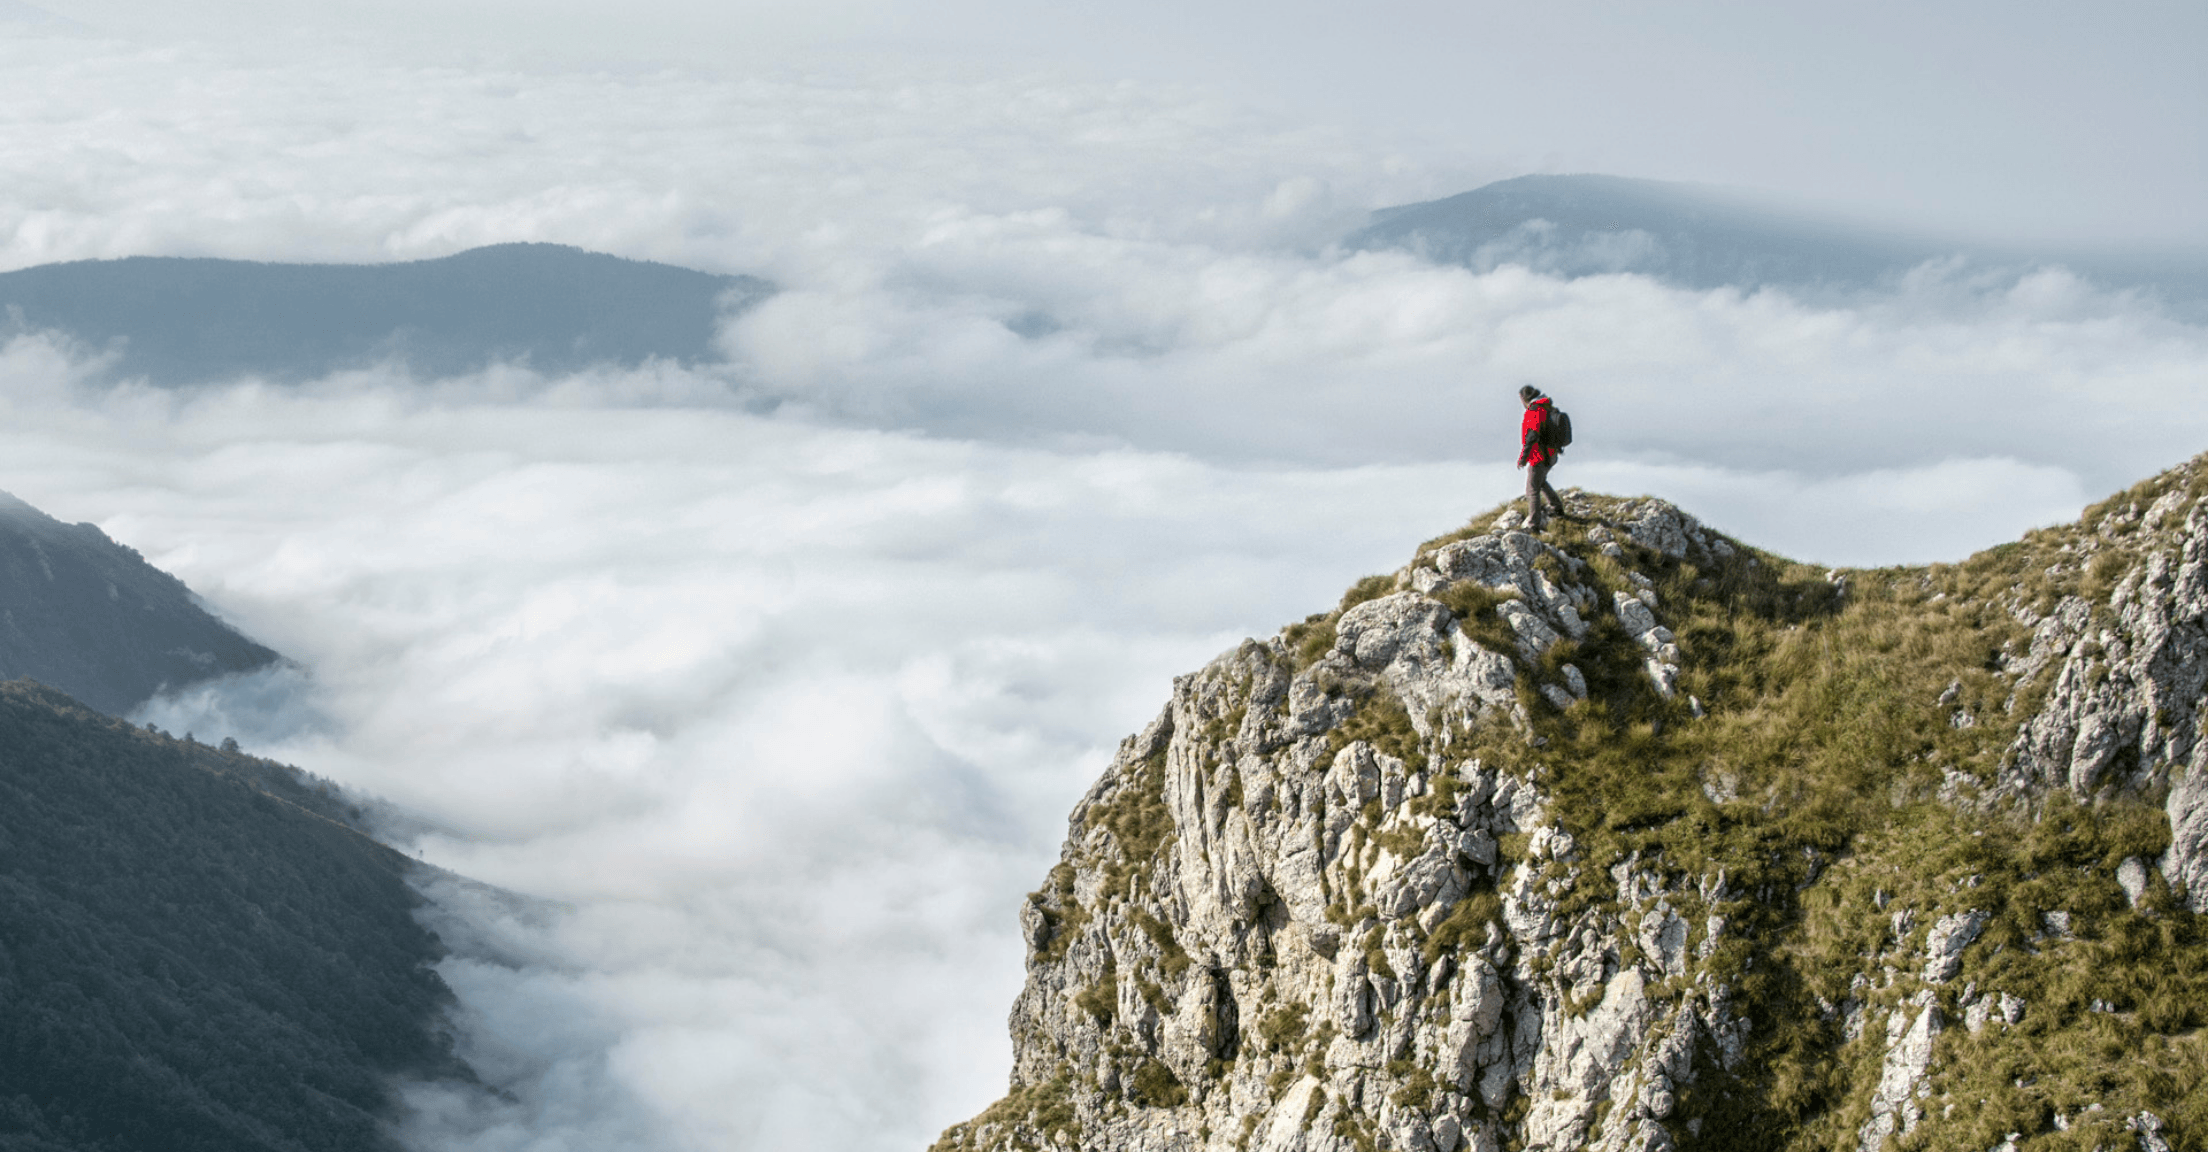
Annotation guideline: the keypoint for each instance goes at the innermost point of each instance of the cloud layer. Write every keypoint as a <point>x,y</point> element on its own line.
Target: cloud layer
<point>767,689</point>
<point>783,719</point>
<point>1029,259</point>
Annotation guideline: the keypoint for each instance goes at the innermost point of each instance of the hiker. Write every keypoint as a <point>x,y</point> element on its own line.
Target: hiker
<point>1538,447</point>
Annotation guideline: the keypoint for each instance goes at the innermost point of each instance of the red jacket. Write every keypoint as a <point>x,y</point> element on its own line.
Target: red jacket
<point>1530,450</point>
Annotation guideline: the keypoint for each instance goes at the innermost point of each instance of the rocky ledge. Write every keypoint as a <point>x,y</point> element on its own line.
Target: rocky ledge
<point>1630,836</point>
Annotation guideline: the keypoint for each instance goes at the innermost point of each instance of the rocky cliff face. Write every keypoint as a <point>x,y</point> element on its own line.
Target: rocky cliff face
<point>1631,837</point>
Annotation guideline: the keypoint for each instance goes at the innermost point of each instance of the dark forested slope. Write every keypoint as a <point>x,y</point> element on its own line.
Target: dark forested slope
<point>190,958</point>
<point>89,616</point>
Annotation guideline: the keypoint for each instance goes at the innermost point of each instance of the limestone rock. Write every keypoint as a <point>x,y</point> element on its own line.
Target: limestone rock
<point>1910,1031</point>
<point>2131,876</point>
<point>1944,944</point>
<point>2126,684</point>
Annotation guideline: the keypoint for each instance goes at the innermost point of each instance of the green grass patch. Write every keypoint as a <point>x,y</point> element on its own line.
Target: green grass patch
<point>1381,721</point>
<point>1039,1115</point>
<point>1465,926</point>
<point>1474,605</point>
<point>1282,1029</point>
<point>1154,996</point>
<point>1154,1085</point>
<point>1417,1092</point>
<point>1310,640</point>
<point>1100,1000</point>
<point>1176,957</point>
<point>1140,822</point>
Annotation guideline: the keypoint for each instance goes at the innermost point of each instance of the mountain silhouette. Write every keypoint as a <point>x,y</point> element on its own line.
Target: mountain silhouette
<point>183,321</point>
<point>1696,237</point>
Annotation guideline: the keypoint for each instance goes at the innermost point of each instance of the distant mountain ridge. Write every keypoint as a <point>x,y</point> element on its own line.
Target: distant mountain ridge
<point>184,321</point>
<point>84,614</point>
<point>1585,225</point>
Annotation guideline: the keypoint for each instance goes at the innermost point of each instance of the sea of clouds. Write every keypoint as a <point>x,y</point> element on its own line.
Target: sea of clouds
<point>742,703</point>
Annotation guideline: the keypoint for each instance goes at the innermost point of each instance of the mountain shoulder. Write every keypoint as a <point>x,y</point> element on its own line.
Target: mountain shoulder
<point>90,616</point>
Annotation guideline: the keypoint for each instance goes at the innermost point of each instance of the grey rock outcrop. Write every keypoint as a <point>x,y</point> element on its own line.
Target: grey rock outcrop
<point>1909,1035</point>
<point>2125,683</point>
<point>1336,908</point>
<point>1944,944</point>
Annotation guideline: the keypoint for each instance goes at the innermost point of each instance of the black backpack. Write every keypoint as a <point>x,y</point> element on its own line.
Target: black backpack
<point>1556,430</point>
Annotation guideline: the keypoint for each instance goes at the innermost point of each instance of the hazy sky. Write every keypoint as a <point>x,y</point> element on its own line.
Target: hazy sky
<point>770,684</point>
<point>2009,118</point>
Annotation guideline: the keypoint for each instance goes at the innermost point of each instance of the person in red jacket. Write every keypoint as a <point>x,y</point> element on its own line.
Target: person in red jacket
<point>1536,457</point>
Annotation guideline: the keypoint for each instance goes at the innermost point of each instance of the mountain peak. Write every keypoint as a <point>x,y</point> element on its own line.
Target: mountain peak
<point>1631,836</point>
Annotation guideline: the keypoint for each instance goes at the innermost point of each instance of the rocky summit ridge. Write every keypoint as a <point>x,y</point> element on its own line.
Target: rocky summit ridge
<point>1629,836</point>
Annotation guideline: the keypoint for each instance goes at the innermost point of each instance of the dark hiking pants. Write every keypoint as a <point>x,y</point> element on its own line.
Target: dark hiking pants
<point>1537,486</point>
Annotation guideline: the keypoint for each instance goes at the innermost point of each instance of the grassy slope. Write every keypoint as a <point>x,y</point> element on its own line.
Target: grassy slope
<point>1825,726</point>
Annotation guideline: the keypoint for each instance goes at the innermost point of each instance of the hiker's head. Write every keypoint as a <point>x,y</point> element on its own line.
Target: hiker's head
<point>1528,394</point>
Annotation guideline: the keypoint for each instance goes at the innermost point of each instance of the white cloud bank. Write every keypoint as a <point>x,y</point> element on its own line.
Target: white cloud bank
<point>786,717</point>
<point>771,686</point>
<point>1013,258</point>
